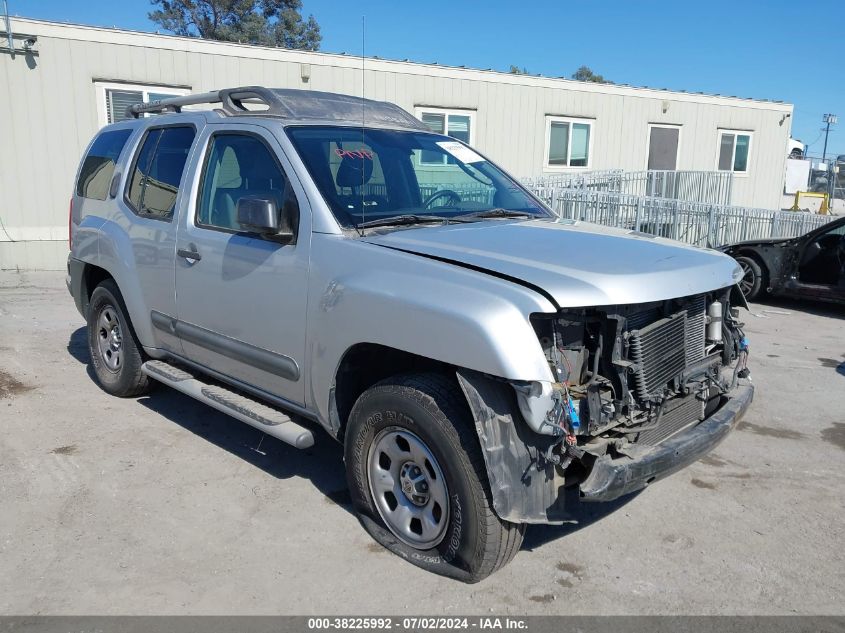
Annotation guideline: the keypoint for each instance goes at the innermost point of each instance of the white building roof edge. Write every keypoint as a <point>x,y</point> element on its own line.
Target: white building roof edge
<point>60,30</point>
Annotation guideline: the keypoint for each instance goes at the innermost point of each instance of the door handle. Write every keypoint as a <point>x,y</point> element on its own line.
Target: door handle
<point>189,254</point>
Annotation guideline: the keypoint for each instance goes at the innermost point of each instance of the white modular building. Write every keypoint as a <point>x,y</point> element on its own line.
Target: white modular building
<point>63,82</point>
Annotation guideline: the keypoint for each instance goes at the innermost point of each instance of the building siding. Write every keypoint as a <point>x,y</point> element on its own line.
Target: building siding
<point>51,114</point>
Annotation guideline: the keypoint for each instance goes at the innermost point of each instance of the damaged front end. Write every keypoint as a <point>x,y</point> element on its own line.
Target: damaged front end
<point>641,391</point>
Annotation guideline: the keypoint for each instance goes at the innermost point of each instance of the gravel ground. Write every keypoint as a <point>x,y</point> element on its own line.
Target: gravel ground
<point>162,505</point>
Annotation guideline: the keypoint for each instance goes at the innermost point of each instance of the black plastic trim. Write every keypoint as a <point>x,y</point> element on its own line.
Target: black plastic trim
<point>263,359</point>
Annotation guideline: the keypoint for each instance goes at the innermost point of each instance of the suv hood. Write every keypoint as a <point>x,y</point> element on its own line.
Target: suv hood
<point>576,264</point>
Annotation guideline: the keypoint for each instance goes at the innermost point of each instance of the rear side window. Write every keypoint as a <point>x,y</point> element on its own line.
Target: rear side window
<point>154,183</point>
<point>98,166</point>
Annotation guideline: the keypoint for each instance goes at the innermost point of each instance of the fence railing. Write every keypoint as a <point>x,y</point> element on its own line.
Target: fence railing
<point>713,187</point>
<point>699,223</point>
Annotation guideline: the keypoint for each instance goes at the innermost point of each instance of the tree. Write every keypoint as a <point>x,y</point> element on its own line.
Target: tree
<point>585,74</point>
<point>516,70</point>
<point>265,22</point>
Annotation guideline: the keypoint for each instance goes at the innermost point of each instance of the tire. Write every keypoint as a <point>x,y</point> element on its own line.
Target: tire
<point>116,355</point>
<point>465,539</point>
<point>753,281</point>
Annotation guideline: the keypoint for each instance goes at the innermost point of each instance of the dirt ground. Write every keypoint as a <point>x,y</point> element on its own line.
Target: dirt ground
<point>162,505</point>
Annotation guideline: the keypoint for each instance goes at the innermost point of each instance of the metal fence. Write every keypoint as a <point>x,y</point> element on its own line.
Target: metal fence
<point>712,187</point>
<point>827,176</point>
<point>699,223</point>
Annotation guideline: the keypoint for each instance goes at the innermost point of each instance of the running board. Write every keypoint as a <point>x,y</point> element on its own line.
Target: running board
<point>271,421</point>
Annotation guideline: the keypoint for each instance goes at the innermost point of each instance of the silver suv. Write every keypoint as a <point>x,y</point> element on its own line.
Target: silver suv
<point>303,259</point>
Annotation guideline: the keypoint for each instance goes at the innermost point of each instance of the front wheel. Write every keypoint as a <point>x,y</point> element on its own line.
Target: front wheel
<point>418,480</point>
<point>752,281</point>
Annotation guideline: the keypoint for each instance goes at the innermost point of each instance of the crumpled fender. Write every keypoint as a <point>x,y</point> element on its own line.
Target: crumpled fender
<point>521,492</point>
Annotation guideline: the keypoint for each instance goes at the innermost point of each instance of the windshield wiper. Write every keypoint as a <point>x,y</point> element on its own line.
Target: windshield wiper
<point>399,220</point>
<point>490,213</point>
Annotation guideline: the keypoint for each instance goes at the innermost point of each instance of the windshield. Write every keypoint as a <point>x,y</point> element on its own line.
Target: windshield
<point>371,175</point>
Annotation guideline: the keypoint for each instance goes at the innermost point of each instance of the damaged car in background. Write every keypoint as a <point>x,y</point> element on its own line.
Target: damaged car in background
<point>810,266</point>
<point>331,262</point>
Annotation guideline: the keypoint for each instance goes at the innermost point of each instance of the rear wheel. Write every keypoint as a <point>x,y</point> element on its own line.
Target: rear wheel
<point>753,280</point>
<point>115,352</point>
<point>418,480</point>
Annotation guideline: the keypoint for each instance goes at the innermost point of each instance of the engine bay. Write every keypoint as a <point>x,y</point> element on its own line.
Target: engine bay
<point>632,376</point>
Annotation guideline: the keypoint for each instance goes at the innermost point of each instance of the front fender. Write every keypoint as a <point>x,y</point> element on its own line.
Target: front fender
<point>362,293</point>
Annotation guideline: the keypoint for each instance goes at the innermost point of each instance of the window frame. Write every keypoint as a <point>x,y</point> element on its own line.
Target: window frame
<point>750,134</point>
<point>145,89</point>
<point>204,171</point>
<point>136,153</point>
<point>550,119</point>
<point>419,111</point>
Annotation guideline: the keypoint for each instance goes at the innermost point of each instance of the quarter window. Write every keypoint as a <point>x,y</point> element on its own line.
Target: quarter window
<point>455,123</point>
<point>98,167</point>
<point>734,149</point>
<point>568,142</point>
<point>154,183</point>
<point>238,165</point>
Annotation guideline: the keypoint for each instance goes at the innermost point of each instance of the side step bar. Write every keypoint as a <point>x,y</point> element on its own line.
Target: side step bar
<point>271,421</point>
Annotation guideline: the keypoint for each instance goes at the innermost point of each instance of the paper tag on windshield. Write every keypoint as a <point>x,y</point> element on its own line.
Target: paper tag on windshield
<point>461,152</point>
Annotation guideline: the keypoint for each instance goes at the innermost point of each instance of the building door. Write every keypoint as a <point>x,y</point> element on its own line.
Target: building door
<point>663,143</point>
<point>663,146</point>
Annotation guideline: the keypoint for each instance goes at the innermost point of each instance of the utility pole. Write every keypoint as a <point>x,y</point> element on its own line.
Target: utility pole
<point>828,119</point>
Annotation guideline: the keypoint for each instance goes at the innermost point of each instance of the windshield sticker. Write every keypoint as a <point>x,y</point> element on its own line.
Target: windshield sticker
<point>357,153</point>
<point>461,152</point>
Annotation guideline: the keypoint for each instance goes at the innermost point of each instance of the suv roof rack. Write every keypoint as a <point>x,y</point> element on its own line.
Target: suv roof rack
<point>231,100</point>
<point>289,104</point>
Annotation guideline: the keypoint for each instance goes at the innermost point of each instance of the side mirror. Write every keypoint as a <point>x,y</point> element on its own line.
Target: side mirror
<point>263,216</point>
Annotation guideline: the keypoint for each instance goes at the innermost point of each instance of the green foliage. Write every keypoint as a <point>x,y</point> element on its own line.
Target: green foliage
<point>264,22</point>
<point>516,70</point>
<point>585,74</point>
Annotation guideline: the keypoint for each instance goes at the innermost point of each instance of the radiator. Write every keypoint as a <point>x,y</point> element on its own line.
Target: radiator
<point>678,415</point>
<point>659,351</point>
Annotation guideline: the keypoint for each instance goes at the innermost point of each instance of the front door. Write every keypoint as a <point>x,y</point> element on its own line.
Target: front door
<point>241,298</point>
<point>821,264</point>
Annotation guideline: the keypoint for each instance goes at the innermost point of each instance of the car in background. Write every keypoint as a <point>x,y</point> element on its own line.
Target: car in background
<point>796,149</point>
<point>810,266</point>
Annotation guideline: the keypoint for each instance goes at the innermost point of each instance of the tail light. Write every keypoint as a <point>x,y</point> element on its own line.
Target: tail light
<point>70,225</point>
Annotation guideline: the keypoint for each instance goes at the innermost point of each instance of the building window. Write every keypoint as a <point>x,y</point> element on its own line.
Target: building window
<point>568,142</point>
<point>734,149</point>
<point>455,123</point>
<point>114,98</point>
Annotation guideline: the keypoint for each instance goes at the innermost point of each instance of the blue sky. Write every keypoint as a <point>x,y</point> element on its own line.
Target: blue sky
<point>786,50</point>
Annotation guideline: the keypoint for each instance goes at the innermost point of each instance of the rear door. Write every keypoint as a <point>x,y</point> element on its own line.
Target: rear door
<point>241,298</point>
<point>153,191</point>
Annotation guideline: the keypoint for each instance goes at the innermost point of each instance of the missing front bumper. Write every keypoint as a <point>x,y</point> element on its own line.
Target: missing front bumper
<point>613,478</point>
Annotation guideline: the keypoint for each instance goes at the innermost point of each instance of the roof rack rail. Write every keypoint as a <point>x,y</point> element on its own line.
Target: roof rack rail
<point>231,101</point>
<point>291,104</point>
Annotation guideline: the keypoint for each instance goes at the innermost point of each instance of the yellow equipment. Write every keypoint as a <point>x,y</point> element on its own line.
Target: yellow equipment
<point>824,209</point>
